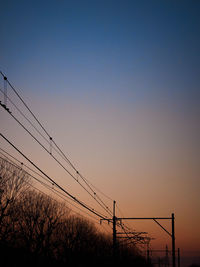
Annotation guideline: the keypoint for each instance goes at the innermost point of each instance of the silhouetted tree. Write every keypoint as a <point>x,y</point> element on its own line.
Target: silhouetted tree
<point>36,230</point>
<point>13,182</point>
<point>40,215</point>
<point>79,243</point>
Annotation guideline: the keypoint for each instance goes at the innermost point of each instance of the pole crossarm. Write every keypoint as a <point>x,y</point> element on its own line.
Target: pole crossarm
<point>146,218</point>
<point>155,219</point>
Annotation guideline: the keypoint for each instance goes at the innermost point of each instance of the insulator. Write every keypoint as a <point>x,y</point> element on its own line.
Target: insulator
<point>50,143</point>
<point>5,91</point>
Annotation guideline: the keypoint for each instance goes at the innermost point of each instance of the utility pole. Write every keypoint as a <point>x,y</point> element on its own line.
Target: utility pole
<point>173,243</point>
<point>155,219</point>
<point>114,232</point>
<point>172,234</point>
<point>113,220</point>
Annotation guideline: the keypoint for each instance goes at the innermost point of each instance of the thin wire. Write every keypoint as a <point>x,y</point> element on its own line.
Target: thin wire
<point>56,192</point>
<point>60,187</point>
<point>47,186</point>
<point>59,194</point>
<point>59,153</point>
<point>106,209</point>
<point>130,228</point>
<point>24,103</point>
<point>98,190</point>
<point>22,164</point>
<point>94,219</point>
<point>69,162</point>
<point>87,182</point>
<point>26,117</point>
<point>54,157</point>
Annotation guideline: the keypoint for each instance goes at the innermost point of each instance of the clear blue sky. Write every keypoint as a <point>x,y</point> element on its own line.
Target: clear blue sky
<point>129,48</point>
<point>125,76</point>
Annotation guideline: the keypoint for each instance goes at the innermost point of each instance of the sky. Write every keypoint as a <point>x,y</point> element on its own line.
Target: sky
<point>116,83</point>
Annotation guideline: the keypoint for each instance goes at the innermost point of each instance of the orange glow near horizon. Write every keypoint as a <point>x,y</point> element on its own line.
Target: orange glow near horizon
<point>137,164</point>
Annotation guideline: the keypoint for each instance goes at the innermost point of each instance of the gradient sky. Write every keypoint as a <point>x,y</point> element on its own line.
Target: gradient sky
<point>117,85</point>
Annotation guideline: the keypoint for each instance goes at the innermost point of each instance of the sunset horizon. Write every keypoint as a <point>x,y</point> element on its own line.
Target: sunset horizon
<point>100,105</point>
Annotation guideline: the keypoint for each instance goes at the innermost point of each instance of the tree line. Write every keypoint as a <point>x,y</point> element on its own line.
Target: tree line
<point>35,229</point>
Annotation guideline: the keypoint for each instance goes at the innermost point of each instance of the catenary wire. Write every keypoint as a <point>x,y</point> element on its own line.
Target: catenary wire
<point>63,197</point>
<point>57,192</point>
<point>56,184</point>
<point>83,178</point>
<point>36,129</point>
<point>46,185</point>
<point>107,210</point>
<point>95,195</point>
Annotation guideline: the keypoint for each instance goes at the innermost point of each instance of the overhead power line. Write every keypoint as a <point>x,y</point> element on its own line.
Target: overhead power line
<point>53,146</point>
<point>52,189</point>
<point>54,182</point>
<point>22,164</point>
<point>103,206</point>
<point>15,91</point>
<point>51,141</point>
